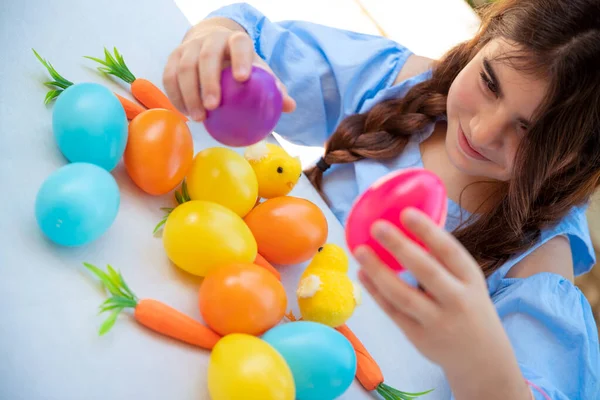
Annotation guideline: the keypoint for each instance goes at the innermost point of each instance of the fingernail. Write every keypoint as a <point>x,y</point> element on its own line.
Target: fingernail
<point>361,274</point>
<point>210,101</point>
<point>381,229</point>
<point>197,115</point>
<point>360,254</point>
<point>410,216</point>
<point>242,72</point>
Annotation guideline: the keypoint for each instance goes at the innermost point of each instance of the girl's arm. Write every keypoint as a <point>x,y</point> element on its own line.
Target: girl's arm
<point>329,73</point>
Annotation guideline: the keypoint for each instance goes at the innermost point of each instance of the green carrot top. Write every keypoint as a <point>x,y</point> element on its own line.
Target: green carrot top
<point>122,296</point>
<point>114,65</point>
<point>58,84</point>
<point>181,198</point>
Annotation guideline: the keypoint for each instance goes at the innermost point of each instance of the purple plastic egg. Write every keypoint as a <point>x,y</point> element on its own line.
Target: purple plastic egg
<point>248,111</point>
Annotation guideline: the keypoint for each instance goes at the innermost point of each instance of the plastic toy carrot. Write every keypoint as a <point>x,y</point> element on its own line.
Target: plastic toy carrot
<point>150,313</point>
<point>60,83</point>
<point>368,372</point>
<point>142,89</point>
<point>260,260</point>
<point>131,109</point>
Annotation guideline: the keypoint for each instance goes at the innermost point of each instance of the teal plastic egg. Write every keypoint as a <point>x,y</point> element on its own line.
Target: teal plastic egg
<point>322,360</point>
<point>90,125</point>
<point>76,204</point>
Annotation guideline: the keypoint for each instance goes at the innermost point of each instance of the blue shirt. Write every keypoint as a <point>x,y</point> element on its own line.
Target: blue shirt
<point>333,73</point>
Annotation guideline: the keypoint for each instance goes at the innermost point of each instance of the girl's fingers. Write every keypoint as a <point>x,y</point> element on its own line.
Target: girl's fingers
<point>189,84</point>
<point>441,244</point>
<point>289,104</point>
<point>241,52</point>
<point>399,294</point>
<point>427,270</point>
<point>171,83</point>
<point>408,324</point>
<point>210,62</point>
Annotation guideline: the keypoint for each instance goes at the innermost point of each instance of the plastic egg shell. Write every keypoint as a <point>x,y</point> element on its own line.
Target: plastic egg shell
<point>322,360</point>
<point>76,204</point>
<point>386,199</point>
<point>249,110</point>
<point>90,125</point>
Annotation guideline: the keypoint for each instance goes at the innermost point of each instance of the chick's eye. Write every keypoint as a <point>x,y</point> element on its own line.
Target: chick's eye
<point>320,249</point>
<point>280,170</point>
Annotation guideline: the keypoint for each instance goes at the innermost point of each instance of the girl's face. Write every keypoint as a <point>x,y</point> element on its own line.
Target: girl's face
<point>489,108</point>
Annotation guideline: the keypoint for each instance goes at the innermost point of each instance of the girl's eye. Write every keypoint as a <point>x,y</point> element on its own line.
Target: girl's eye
<point>488,82</point>
<point>522,128</point>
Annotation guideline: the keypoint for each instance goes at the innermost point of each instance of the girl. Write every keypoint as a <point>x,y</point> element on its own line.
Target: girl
<point>509,120</point>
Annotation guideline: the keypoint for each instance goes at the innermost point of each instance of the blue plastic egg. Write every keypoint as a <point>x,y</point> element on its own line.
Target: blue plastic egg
<point>322,360</point>
<point>77,203</point>
<point>90,125</point>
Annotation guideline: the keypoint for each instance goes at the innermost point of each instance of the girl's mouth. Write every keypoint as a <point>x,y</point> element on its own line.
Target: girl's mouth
<point>466,147</point>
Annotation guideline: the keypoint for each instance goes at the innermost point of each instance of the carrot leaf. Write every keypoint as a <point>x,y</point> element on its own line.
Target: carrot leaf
<point>51,95</point>
<point>184,191</point>
<point>114,65</point>
<point>53,73</point>
<point>124,285</point>
<point>109,307</point>
<point>106,280</point>
<point>179,198</point>
<point>389,393</point>
<point>118,301</point>
<point>110,321</point>
<point>114,277</point>
<point>58,84</point>
<point>114,282</point>
<point>122,296</point>
<point>160,225</point>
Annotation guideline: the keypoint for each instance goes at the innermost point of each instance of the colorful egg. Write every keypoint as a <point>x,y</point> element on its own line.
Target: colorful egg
<point>322,360</point>
<point>386,199</point>
<point>77,203</point>
<point>248,111</point>
<point>90,125</point>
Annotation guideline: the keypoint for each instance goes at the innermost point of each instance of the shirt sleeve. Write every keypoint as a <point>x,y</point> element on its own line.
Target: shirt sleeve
<point>329,72</point>
<point>553,333</point>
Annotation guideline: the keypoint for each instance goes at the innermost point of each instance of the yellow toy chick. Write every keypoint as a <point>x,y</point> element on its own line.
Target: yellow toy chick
<point>325,292</point>
<point>277,172</point>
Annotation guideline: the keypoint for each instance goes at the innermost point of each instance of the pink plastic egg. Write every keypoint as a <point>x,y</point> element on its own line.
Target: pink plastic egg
<point>248,111</point>
<point>386,198</point>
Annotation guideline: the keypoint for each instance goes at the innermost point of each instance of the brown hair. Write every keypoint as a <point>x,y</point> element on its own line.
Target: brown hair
<point>558,162</point>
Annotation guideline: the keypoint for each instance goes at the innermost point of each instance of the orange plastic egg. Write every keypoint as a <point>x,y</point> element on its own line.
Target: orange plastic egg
<point>241,298</point>
<point>159,151</point>
<point>288,230</point>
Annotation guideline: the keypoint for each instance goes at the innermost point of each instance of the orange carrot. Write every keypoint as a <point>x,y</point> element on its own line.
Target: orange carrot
<point>260,260</point>
<point>150,313</point>
<point>369,373</point>
<point>59,84</point>
<point>131,108</point>
<point>143,90</point>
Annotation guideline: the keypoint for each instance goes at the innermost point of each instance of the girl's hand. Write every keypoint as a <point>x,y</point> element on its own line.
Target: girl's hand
<point>453,321</point>
<point>192,75</point>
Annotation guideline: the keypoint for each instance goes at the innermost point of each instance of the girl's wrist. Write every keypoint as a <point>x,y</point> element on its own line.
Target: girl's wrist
<point>491,377</point>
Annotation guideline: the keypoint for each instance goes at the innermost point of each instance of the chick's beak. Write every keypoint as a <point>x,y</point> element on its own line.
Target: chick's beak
<point>290,185</point>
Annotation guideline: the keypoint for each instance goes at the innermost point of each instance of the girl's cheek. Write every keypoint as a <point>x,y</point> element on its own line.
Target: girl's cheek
<point>467,94</point>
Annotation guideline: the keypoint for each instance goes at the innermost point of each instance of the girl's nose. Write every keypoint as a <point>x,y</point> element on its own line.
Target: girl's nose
<point>487,129</point>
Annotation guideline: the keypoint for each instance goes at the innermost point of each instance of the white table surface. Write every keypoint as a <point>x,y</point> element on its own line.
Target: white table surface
<point>49,347</point>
